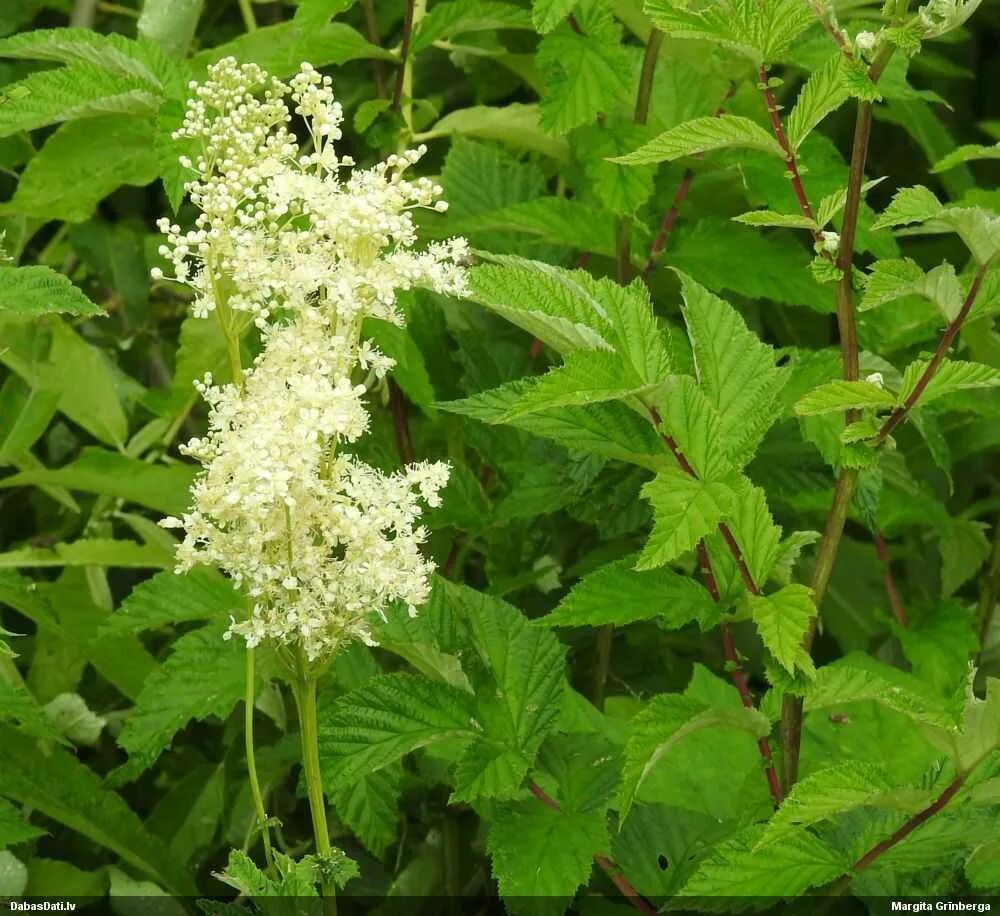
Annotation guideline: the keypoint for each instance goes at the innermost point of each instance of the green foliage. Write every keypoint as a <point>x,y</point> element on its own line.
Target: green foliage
<point>632,586</point>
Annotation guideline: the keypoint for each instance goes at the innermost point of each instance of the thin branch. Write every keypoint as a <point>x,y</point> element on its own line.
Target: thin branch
<point>649,59</point>
<point>606,865</point>
<point>400,423</point>
<point>900,414</point>
<point>912,824</point>
<point>374,36</point>
<point>404,56</point>
<point>895,601</point>
<point>249,19</point>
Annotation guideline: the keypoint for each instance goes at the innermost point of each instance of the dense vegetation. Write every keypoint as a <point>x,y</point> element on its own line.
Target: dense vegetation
<point>712,622</point>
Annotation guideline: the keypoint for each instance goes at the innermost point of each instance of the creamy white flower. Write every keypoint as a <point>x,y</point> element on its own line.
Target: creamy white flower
<point>830,241</point>
<point>316,540</point>
<point>865,42</point>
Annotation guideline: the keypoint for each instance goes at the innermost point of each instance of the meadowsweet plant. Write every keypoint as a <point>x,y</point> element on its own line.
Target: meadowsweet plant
<point>621,534</point>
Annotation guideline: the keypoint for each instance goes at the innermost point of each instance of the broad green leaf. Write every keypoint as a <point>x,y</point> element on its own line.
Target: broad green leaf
<point>782,220</point>
<point>70,93</point>
<point>909,205</point>
<point>970,152</point>
<point>691,420</point>
<point>787,869</point>
<point>762,31</point>
<point>40,290</point>
<point>951,376</point>
<point>517,125</point>
<point>824,92</point>
<point>978,734</point>
<point>168,598</point>
<point>281,48</point>
<point>368,805</point>
<point>90,552</point>
<point>685,510</point>
<point>547,14</point>
<point>53,356</point>
<point>164,488</point>
<point>170,23</point>
<point>543,855</point>
<point>204,676</point>
<point>25,414</point>
<point>839,396</point>
<point>525,663</point>
<point>982,867</point>
<point>20,709</point>
<point>610,429</point>
<point>618,594</point>
<point>734,367</point>
<point>586,377</point>
<point>702,135</point>
<point>314,13</point>
<point>587,71</point>
<point>388,717</point>
<point>55,783</point>
<point>836,790</point>
<point>142,60</point>
<point>752,525</point>
<point>622,189</point>
<point>14,827</point>
<point>80,164</point>
<point>665,722</point>
<point>459,17</point>
<point>783,619</point>
<point>856,678</point>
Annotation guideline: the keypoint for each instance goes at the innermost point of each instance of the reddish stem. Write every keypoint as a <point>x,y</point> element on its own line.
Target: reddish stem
<point>895,601</point>
<point>400,422</point>
<point>791,162</point>
<point>606,865</point>
<point>900,413</point>
<point>404,53</point>
<point>912,824</point>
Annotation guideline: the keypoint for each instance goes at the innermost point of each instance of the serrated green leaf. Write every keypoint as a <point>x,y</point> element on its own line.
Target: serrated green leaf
<point>890,279</point>
<point>619,594</point>
<point>909,205</point>
<point>783,619</point>
<point>622,189</point>
<point>752,525</point>
<point>824,92</point>
<point>783,220</point>
<point>40,290</point>
<point>982,867</point>
<point>836,790</point>
<point>694,424</point>
<point>14,827</point>
<point>540,853</point>
<point>839,396</point>
<point>516,125</point>
<point>20,709</point>
<point>368,805</point>
<point>547,14</point>
<point>702,135</point>
<point>586,71</point>
<point>978,734</point>
<point>70,93</point>
<point>951,376</point>
<point>856,678</point>
<point>685,510</point>
<point>385,719</point>
<point>734,367</point>
<point>970,152</point>
<point>666,721</point>
<point>833,203</point>
<point>204,676</point>
<point>586,377</point>
<point>90,552</point>
<point>445,20</point>
<point>610,429</point>
<point>790,867</point>
<point>83,162</point>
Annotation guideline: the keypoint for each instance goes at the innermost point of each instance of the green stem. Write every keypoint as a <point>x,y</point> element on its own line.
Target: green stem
<point>258,796</point>
<point>990,592</point>
<point>249,19</point>
<point>305,701</point>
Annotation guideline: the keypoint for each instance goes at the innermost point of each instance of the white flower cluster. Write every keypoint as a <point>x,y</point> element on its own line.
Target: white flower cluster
<point>317,540</point>
<point>939,17</point>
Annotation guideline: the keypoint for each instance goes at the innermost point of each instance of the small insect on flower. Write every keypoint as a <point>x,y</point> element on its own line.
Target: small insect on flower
<point>307,247</point>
